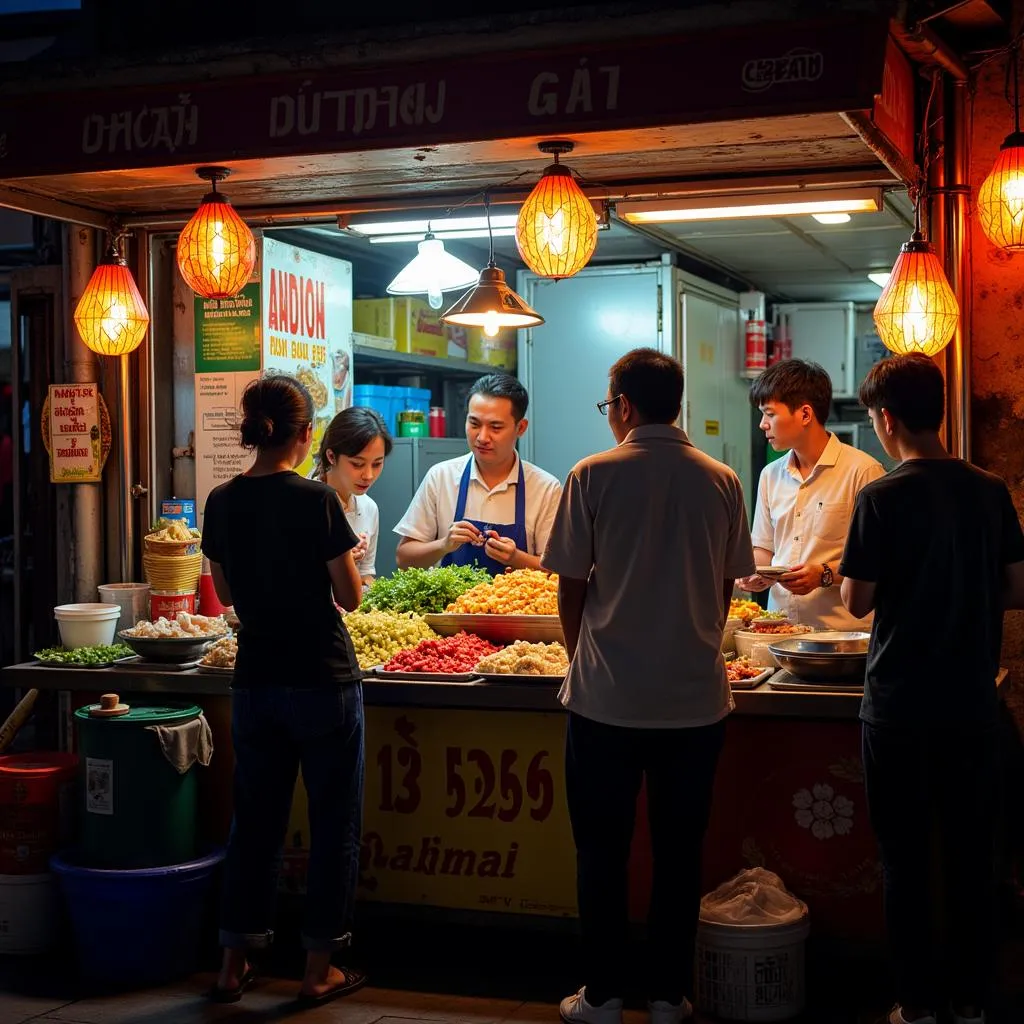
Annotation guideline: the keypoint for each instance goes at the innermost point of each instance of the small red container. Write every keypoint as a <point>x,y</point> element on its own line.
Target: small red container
<point>438,422</point>
<point>169,604</point>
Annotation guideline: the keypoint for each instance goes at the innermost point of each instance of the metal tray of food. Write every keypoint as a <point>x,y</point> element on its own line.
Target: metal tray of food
<point>500,629</point>
<point>754,681</point>
<point>427,677</point>
<point>215,670</point>
<point>499,677</point>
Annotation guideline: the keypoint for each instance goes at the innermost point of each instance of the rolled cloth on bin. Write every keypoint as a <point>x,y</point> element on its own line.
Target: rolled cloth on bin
<point>185,744</point>
<point>753,897</point>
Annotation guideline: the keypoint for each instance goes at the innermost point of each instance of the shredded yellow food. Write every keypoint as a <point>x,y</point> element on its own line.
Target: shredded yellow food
<point>520,592</point>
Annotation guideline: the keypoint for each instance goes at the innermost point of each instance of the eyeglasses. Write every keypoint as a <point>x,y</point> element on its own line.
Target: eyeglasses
<point>602,407</point>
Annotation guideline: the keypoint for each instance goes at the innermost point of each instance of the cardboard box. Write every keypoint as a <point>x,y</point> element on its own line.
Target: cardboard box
<point>415,327</point>
<point>499,351</point>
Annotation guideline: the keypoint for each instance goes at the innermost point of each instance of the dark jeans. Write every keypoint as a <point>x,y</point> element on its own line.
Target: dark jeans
<point>932,800</point>
<point>275,730</point>
<point>605,767</point>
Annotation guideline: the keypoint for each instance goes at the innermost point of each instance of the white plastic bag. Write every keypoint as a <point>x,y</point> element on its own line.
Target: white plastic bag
<point>752,897</point>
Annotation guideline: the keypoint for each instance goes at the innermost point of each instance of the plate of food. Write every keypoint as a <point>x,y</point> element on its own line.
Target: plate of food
<point>528,662</point>
<point>743,674</point>
<point>773,572</point>
<point>219,658</point>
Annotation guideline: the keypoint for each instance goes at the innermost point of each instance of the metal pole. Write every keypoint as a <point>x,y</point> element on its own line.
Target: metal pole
<point>82,367</point>
<point>124,506</point>
<point>145,491</point>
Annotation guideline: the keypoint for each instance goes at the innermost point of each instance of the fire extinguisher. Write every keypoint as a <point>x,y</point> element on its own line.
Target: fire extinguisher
<point>755,346</point>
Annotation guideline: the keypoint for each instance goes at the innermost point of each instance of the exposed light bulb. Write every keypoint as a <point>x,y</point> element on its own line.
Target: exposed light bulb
<point>491,323</point>
<point>434,296</point>
<point>114,321</point>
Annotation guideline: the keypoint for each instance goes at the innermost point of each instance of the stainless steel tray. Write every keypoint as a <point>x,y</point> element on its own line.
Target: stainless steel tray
<point>500,629</point>
<point>215,670</point>
<point>428,677</point>
<point>497,677</point>
<point>755,682</point>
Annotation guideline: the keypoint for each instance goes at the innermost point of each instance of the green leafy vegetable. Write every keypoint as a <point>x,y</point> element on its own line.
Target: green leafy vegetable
<point>424,591</point>
<point>100,654</point>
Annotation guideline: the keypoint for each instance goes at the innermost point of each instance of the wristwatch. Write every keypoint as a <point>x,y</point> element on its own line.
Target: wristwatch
<point>827,579</point>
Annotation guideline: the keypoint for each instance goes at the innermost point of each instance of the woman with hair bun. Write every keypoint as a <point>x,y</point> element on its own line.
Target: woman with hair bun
<point>280,551</point>
<point>351,458</point>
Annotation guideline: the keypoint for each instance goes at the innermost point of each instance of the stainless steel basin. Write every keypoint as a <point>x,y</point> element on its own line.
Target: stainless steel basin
<point>824,657</point>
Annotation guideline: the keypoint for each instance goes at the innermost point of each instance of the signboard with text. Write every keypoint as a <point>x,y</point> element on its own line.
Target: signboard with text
<point>227,332</point>
<point>462,809</point>
<point>74,434</point>
<point>751,71</point>
<point>307,327</point>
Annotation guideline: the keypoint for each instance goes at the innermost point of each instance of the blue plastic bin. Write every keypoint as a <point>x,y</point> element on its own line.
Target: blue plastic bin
<point>388,401</point>
<point>138,927</point>
<point>417,399</point>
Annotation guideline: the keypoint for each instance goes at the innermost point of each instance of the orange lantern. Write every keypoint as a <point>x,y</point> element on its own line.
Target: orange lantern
<point>556,232</point>
<point>917,310</point>
<point>216,249</point>
<point>110,316</point>
<point>1001,196</point>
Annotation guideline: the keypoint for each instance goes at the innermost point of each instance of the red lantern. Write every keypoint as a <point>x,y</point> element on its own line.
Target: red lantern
<point>216,249</point>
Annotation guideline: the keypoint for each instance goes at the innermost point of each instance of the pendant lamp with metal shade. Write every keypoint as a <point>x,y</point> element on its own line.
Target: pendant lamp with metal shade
<point>1000,202</point>
<point>917,310</point>
<point>432,271</point>
<point>491,304</point>
<point>216,250</point>
<point>111,315</point>
<point>556,232</point>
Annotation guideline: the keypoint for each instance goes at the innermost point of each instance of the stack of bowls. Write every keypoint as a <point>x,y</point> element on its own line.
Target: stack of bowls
<point>172,569</point>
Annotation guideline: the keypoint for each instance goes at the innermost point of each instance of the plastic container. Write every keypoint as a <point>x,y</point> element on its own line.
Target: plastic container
<point>131,598</point>
<point>85,625</point>
<point>138,811</point>
<point>412,423</point>
<point>140,927</point>
<point>388,401</point>
<point>37,809</point>
<point>438,421</point>
<point>752,972</point>
<point>179,508</point>
<point>29,913</point>
<point>416,400</point>
<point>169,602</point>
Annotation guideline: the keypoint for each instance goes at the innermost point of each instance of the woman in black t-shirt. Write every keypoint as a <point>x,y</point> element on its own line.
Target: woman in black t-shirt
<point>280,551</point>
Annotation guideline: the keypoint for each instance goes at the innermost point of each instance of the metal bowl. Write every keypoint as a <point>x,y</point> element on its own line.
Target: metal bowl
<point>824,657</point>
<point>173,650</point>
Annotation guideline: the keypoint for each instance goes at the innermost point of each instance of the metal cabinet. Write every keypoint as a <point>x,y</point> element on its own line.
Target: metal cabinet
<point>404,471</point>
<point>824,333</point>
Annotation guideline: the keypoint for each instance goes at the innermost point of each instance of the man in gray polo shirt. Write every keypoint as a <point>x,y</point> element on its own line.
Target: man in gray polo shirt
<point>647,542</point>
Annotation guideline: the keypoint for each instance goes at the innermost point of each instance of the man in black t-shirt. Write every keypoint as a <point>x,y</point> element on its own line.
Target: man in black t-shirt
<point>935,549</point>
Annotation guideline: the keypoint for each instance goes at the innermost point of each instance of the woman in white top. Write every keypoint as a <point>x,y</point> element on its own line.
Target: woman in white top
<point>351,458</point>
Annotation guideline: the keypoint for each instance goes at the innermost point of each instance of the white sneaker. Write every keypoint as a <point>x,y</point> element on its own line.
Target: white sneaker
<point>896,1017</point>
<point>667,1013</point>
<point>576,1010</point>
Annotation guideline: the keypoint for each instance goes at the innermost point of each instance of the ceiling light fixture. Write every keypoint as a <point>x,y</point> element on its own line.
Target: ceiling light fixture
<point>880,277</point>
<point>421,227</point>
<point>110,316</point>
<point>216,249</point>
<point>432,271</point>
<point>451,236</point>
<point>831,218</point>
<point>556,233</point>
<point>737,207</point>
<point>491,304</point>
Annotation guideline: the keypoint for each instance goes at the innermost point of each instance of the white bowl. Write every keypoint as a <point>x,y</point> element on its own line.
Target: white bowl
<point>747,641</point>
<point>85,625</point>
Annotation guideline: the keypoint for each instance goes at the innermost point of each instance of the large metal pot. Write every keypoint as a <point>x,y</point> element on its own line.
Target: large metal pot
<point>835,657</point>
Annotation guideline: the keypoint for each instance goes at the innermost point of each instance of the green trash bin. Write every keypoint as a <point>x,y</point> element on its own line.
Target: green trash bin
<point>139,811</point>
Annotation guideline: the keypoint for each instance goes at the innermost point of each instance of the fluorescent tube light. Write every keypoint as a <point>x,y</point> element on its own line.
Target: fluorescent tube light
<point>735,207</point>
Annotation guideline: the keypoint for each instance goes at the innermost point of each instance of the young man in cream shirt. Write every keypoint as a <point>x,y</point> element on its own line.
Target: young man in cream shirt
<point>805,500</point>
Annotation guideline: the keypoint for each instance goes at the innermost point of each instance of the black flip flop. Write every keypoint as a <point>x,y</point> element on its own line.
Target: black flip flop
<point>354,980</point>
<point>233,995</point>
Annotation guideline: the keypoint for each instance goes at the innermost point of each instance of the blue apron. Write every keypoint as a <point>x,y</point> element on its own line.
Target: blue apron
<point>467,554</point>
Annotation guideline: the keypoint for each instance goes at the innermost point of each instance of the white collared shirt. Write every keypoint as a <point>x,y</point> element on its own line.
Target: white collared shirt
<point>650,650</point>
<point>805,522</point>
<point>432,511</point>
<point>364,518</point>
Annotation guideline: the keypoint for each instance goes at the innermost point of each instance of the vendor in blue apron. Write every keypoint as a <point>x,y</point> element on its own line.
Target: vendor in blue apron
<point>490,507</point>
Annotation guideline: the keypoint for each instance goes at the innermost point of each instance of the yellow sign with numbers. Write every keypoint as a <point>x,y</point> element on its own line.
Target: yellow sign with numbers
<point>462,809</point>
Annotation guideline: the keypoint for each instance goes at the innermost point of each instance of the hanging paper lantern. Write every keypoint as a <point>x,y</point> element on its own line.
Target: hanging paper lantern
<point>556,232</point>
<point>216,249</point>
<point>917,310</point>
<point>1001,196</point>
<point>110,316</point>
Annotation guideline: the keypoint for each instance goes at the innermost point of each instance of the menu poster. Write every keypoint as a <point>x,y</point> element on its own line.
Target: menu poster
<point>219,452</point>
<point>307,328</point>
<point>76,445</point>
<point>227,332</point>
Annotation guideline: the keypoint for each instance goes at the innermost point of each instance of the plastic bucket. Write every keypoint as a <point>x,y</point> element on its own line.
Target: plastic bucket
<point>28,913</point>
<point>142,927</point>
<point>168,603</point>
<point>752,972</point>
<point>84,625</point>
<point>131,598</point>
<point>37,809</point>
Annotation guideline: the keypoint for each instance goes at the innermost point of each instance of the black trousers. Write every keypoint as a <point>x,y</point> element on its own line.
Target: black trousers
<point>932,798</point>
<point>605,767</point>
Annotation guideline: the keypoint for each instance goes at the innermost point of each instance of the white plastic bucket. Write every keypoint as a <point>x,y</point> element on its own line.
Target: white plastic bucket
<point>84,625</point>
<point>752,972</point>
<point>28,913</point>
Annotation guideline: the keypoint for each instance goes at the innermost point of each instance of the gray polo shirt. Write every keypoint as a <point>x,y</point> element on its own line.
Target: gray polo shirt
<point>656,527</point>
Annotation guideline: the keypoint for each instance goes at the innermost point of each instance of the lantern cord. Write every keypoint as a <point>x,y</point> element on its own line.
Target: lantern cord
<point>483,194</point>
<point>490,233</point>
